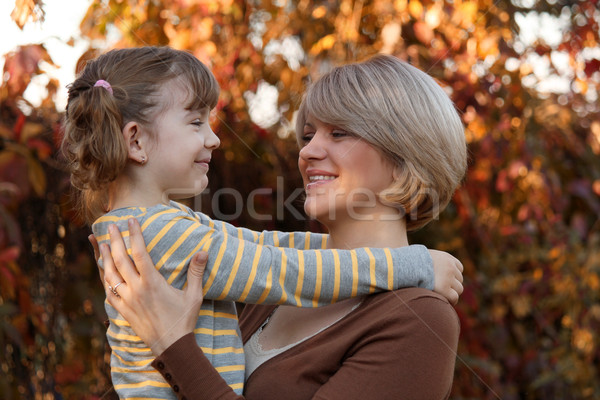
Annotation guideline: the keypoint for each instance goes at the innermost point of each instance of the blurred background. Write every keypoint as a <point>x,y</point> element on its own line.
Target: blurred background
<point>524,74</point>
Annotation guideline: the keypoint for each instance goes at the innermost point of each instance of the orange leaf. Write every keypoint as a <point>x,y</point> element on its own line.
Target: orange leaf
<point>24,9</point>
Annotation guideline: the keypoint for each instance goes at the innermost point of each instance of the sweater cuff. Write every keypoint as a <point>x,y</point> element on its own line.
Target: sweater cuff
<point>191,375</point>
<point>422,258</point>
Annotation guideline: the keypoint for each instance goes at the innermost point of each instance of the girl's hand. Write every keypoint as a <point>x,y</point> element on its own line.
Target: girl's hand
<point>448,277</point>
<point>157,312</point>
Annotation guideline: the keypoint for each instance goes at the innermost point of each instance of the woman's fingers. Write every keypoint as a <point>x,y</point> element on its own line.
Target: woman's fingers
<point>140,255</point>
<point>195,276</point>
<point>113,281</point>
<point>119,254</point>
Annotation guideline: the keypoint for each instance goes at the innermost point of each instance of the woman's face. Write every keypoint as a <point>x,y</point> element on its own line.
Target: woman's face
<point>342,174</point>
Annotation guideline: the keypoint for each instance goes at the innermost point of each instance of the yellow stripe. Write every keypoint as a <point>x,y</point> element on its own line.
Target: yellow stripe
<point>213,314</point>
<point>371,270</point>
<point>254,236</point>
<point>174,276</point>
<point>324,242</point>
<point>235,268</point>
<point>284,294</point>
<point>106,237</point>
<point>237,386</point>
<point>336,276</point>
<point>131,349</point>
<point>165,229</point>
<point>175,245</point>
<point>354,273</point>
<point>217,263</point>
<point>131,371</point>
<point>119,322</point>
<point>252,276</point>
<point>216,332</point>
<point>138,363</point>
<point>318,280</point>
<point>122,336</point>
<point>151,219</point>
<point>185,261</point>
<point>390,262</point>
<point>268,285</point>
<point>307,241</point>
<point>291,240</point>
<point>229,368</point>
<point>141,384</point>
<point>275,239</point>
<point>300,278</point>
<point>114,218</point>
<point>222,350</point>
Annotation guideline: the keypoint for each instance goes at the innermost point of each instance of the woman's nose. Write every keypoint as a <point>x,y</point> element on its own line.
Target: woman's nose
<point>314,149</point>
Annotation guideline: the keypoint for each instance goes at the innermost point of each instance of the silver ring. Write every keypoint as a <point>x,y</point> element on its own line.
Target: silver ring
<point>114,289</point>
<point>116,286</point>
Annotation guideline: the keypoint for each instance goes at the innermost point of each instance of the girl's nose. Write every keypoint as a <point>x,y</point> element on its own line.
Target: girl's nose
<point>212,141</point>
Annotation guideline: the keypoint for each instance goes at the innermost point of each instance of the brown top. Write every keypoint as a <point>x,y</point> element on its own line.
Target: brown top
<point>399,344</point>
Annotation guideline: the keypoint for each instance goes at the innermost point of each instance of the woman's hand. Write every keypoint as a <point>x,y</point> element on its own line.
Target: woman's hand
<point>448,277</point>
<point>157,312</point>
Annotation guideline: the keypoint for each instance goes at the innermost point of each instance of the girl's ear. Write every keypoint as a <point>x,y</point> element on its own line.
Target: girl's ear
<point>136,142</point>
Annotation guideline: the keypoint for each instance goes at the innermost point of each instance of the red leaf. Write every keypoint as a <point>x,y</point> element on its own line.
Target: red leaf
<point>592,66</point>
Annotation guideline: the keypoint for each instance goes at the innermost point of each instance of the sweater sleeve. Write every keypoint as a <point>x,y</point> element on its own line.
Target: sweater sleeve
<point>296,240</point>
<point>247,272</point>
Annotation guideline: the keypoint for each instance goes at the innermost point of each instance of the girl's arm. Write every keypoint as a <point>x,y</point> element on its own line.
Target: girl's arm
<point>296,240</point>
<point>246,272</point>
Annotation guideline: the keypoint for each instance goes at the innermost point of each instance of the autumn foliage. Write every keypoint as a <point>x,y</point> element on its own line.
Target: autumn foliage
<point>525,223</point>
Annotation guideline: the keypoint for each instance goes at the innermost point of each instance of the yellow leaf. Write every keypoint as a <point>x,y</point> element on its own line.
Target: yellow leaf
<point>324,43</point>
<point>30,129</point>
<point>37,177</point>
<point>319,12</point>
<point>415,9</point>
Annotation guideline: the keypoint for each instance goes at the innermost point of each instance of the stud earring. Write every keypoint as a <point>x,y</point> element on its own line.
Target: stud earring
<point>143,160</point>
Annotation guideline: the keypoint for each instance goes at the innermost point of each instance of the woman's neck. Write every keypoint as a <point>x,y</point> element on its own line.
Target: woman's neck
<point>353,233</point>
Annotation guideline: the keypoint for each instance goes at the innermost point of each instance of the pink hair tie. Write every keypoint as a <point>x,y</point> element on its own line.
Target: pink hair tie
<point>104,84</point>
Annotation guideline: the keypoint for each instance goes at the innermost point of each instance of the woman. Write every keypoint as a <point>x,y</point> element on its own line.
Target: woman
<point>382,151</point>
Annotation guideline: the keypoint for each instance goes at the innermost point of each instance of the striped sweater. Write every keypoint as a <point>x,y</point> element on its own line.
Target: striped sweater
<point>248,267</point>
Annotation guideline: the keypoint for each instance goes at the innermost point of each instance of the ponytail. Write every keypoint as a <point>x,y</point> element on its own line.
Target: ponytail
<point>93,145</point>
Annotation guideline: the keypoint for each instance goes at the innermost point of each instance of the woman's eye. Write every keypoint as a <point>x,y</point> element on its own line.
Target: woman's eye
<point>337,134</point>
<point>307,137</point>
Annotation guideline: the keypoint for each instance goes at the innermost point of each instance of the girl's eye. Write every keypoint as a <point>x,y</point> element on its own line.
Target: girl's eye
<point>197,122</point>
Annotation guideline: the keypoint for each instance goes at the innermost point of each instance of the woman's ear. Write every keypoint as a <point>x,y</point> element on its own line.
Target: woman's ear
<point>136,141</point>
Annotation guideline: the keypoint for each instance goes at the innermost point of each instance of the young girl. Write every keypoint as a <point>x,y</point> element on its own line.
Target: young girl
<point>137,137</point>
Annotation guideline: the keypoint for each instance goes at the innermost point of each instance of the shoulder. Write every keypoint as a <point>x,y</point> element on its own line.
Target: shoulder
<point>418,308</point>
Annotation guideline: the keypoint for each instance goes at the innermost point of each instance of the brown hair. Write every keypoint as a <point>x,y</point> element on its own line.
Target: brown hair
<point>408,117</point>
<point>93,144</point>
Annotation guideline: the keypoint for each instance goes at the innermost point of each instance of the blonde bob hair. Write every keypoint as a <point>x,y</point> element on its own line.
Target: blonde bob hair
<point>93,144</point>
<point>404,113</point>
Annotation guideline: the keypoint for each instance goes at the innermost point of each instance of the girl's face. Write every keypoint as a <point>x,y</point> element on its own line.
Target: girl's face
<point>181,154</point>
<point>342,174</point>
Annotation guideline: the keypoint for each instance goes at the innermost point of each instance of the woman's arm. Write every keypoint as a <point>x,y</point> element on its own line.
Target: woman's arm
<point>412,356</point>
<point>162,316</point>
